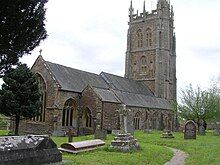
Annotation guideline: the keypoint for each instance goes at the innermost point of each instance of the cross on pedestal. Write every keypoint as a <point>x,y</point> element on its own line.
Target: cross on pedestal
<point>123,112</point>
<point>70,135</point>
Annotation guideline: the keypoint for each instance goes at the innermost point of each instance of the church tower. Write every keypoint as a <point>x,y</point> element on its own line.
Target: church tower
<point>151,49</point>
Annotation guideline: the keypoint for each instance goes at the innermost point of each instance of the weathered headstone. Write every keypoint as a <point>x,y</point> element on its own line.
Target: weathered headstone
<point>30,149</point>
<point>70,135</point>
<point>100,133</point>
<point>190,130</point>
<point>216,132</point>
<point>201,130</point>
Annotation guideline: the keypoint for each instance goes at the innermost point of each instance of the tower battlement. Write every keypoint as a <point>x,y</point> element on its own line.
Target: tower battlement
<point>163,9</point>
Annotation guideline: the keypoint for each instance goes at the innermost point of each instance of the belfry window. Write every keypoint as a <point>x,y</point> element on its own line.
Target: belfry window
<point>42,88</point>
<point>69,113</point>
<point>139,39</point>
<point>148,37</point>
<point>143,65</point>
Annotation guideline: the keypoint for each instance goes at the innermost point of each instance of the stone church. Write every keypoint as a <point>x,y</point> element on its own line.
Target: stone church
<point>82,101</point>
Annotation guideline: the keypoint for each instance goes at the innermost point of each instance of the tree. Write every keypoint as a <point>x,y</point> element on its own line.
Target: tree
<point>199,105</point>
<point>19,96</point>
<point>21,29</point>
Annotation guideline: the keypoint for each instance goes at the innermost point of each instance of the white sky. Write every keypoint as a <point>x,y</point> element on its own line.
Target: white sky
<point>91,35</point>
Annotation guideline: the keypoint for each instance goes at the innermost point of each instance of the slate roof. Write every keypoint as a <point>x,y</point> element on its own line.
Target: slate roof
<point>106,95</point>
<point>75,80</point>
<point>125,84</point>
<point>109,87</point>
<point>140,100</point>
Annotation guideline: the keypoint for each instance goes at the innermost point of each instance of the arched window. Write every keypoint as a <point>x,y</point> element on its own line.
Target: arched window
<point>137,119</point>
<point>143,65</point>
<point>69,113</point>
<point>148,37</point>
<point>42,87</point>
<point>139,39</point>
<point>87,118</point>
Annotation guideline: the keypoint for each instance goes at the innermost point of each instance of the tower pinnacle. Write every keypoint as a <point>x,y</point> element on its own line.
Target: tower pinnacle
<point>144,9</point>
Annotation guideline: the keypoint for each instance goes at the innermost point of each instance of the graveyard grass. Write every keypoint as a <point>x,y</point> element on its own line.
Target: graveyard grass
<point>204,150</point>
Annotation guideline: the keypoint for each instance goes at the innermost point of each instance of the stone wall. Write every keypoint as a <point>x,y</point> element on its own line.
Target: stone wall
<point>110,116</point>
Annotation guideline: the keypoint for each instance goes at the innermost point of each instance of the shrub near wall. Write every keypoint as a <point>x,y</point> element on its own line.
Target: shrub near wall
<point>4,122</point>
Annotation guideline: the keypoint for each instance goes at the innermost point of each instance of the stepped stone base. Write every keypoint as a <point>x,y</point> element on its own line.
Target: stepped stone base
<point>167,134</point>
<point>124,143</point>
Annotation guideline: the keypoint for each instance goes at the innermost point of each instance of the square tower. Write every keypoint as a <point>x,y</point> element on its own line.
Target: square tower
<point>151,49</point>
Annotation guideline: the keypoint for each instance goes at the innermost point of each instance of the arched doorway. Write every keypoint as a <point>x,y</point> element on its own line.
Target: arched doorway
<point>137,119</point>
<point>69,114</point>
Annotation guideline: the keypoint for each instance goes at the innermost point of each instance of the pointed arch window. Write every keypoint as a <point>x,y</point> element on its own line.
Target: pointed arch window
<point>148,37</point>
<point>42,88</point>
<point>69,113</point>
<point>137,119</point>
<point>139,38</point>
<point>143,65</point>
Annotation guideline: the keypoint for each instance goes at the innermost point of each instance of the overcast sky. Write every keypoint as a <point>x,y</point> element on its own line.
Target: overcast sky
<point>91,35</point>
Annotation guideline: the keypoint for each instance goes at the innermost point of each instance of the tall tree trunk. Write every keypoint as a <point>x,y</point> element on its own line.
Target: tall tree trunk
<point>17,120</point>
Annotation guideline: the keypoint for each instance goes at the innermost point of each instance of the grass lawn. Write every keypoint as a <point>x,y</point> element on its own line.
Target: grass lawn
<point>102,156</point>
<point>205,150</point>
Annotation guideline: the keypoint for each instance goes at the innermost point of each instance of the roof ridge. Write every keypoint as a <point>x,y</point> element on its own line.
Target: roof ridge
<point>73,68</point>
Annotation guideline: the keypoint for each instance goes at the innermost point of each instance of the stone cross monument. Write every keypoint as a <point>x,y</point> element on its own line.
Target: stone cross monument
<point>123,113</point>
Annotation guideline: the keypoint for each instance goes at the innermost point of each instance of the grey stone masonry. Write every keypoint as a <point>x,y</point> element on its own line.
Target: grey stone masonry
<point>124,143</point>
<point>151,49</point>
<point>27,150</point>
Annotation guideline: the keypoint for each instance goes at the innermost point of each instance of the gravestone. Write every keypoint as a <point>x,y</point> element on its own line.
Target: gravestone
<point>70,135</point>
<point>216,132</point>
<point>201,130</point>
<point>99,133</point>
<point>190,130</point>
<point>30,149</point>
<point>124,141</point>
<point>82,146</point>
